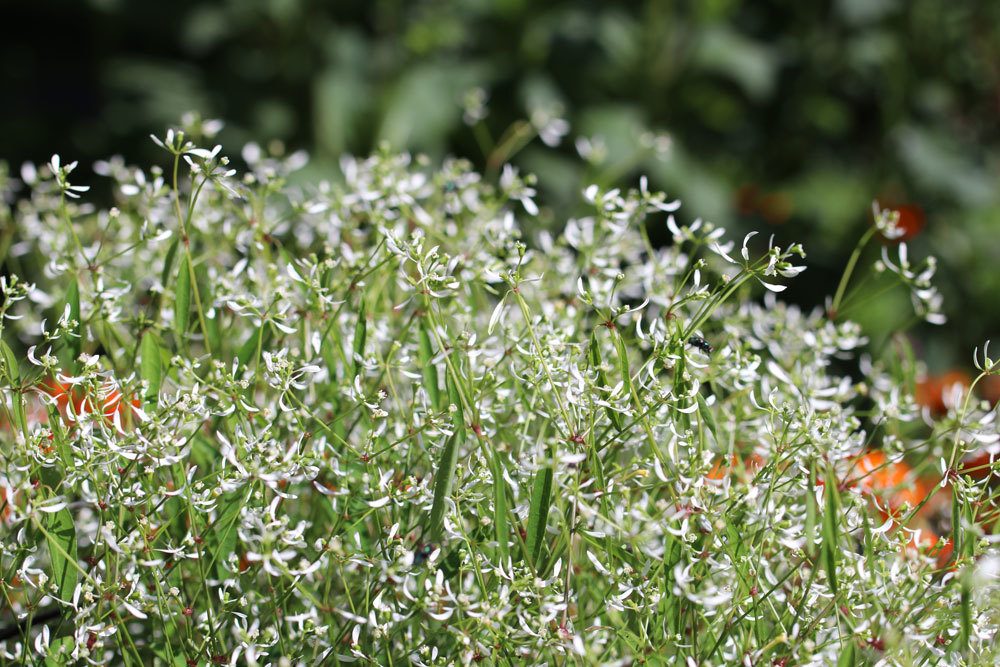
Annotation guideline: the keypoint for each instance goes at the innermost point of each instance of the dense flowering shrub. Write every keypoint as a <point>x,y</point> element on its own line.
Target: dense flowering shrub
<point>398,421</point>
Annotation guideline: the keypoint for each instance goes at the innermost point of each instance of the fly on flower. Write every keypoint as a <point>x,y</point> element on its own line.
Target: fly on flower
<point>422,553</point>
<point>700,343</point>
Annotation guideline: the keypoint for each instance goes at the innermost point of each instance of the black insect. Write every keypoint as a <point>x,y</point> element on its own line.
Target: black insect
<point>422,553</point>
<point>700,343</point>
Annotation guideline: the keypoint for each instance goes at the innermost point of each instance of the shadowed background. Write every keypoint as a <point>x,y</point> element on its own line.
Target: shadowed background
<point>786,118</point>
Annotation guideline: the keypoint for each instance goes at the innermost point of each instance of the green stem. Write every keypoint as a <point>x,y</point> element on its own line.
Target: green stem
<point>514,139</point>
<point>851,263</point>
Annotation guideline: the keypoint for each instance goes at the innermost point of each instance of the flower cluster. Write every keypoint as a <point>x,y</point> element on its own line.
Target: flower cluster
<point>395,420</point>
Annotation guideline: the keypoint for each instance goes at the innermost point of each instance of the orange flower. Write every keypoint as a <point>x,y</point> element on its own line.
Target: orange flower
<point>897,491</point>
<point>978,464</point>
<point>934,392</point>
<point>874,473</point>
<point>912,494</point>
<point>894,485</point>
<point>725,465</point>
<point>62,392</point>
<point>989,388</point>
<point>722,467</point>
<point>754,463</point>
<point>928,542</point>
<point>110,404</point>
<point>107,401</point>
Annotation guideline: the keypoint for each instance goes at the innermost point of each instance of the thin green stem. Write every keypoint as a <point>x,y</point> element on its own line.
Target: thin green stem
<point>851,263</point>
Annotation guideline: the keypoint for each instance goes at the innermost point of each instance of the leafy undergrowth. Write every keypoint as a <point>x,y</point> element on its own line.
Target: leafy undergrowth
<point>395,421</point>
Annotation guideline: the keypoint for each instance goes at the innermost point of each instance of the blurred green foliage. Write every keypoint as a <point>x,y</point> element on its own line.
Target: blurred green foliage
<point>788,116</point>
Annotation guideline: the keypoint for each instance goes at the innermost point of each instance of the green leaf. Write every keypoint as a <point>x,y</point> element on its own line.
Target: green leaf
<point>59,653</point>
<point>455,398</point>
<point>866,526</point>
<point>150,367</point>
<point>541,499</point>
<point>204,454</point>
<point>12,372</point>
<point>429,370</point>
<point>168,261</point>
<point>60,535</point>
<point>11,368</point>
<point>213,335</point>
<point>965,612</point>
<point>623,361</point>
<point>970,538</point>
<point>444,477</point>
<point>812,511</point>
<point>847,657</point>
<point>501,526</point>
<point>706,417</point>
<point>249,347</point>
<point>360,335</point>
<point>182,300</point>
<point>830,523</point>
<point>224,534</point>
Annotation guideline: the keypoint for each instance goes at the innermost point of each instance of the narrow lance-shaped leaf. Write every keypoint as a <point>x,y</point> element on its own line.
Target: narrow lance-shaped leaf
<point>427,366</point>
<point>670,604</point>
<point>213,335</point>
<point>455,398</point>
<point>500,522</point>
<point>541,499</point>
<point>970,538</point>
<point>224,533</point>
<point>866,528</point>
<point>11,370</point>
<point>811,511</point>
<point>602,379</point>
<point>444,477</point>
<point>168,262</point>
<point>847,657</point>
<point>60,536</point>
<point>182,300</point>
<point>249,347</point>
<point>360,335</point>
<point>12,374</point>
<point>705,412</point>
<point>830,515</point>
<point>166,272</point>
<point>623,360</point>
<point>965,611</point>
<point>150,366</point>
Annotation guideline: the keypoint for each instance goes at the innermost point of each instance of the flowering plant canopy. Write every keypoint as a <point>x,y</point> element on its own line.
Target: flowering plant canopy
<point>398,419</point>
